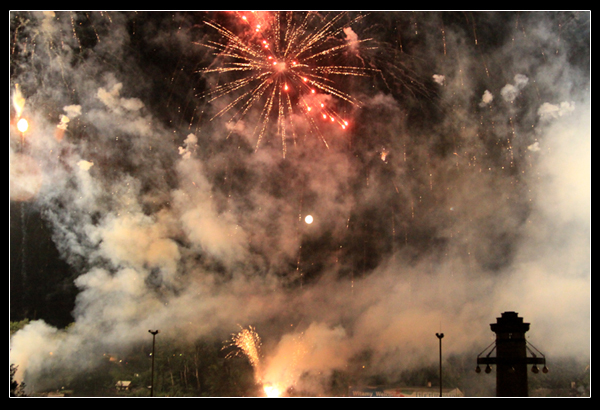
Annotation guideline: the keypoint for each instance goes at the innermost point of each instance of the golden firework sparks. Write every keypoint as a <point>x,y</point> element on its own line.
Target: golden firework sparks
<point>248,343</point>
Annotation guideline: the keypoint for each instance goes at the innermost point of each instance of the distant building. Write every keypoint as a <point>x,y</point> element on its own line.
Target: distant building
<point>58,393</point>
<point>123,385</point>
<point>392,391</point>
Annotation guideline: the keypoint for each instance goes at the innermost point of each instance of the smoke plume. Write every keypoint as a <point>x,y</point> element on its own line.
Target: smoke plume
<point>438,209</point>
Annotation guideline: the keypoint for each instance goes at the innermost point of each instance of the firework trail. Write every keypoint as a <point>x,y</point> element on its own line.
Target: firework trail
<point>287,67</point>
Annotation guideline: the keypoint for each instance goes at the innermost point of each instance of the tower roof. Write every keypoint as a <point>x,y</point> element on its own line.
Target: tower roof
<point>510,322</point>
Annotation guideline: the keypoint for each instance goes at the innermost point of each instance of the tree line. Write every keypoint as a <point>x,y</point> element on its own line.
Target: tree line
<point>203,368</point>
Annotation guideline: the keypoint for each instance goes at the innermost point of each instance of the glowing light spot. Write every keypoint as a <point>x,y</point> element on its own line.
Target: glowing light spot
<point>271,391</point>
<point>22,125</point>
<point>279,66</point>
<point>308,219</point>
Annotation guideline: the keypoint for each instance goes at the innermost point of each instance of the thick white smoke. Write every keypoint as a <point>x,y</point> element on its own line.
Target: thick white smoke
<point>169,230</point>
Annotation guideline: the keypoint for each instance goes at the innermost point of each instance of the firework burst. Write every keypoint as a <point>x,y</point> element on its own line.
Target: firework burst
<point>285,63</point>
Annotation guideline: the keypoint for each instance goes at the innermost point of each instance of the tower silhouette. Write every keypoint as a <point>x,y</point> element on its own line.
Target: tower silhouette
<point>511,358</point>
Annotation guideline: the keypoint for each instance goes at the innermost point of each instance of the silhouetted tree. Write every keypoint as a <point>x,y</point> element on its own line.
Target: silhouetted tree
<point>16,389</point>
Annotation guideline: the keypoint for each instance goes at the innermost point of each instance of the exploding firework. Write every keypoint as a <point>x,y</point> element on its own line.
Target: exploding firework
<point>286,63</point>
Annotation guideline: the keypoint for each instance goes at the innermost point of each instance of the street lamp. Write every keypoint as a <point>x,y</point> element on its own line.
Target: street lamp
<point>440,336</point>
<point>154,333</point>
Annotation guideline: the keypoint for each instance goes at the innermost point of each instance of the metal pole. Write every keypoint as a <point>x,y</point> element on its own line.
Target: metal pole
<point>440,336</point>
<point>152,375</point>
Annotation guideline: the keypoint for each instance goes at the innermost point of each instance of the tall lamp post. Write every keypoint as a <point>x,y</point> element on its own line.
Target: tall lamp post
<point>440,336</point>
<point>154,333</point>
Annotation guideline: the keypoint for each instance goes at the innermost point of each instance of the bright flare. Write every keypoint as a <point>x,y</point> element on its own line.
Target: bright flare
<point>271,390</point>
<point>22,125</point>
<point>308,219</point>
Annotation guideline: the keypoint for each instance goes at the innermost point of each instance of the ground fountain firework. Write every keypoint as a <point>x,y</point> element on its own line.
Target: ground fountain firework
<point>247,343</point>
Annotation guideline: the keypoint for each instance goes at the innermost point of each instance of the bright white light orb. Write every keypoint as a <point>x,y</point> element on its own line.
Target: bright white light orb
<point>22,125</point>
<point>308,219</point>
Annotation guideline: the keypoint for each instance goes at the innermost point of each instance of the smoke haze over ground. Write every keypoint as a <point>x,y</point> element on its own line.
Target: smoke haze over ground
<point>460,190</point>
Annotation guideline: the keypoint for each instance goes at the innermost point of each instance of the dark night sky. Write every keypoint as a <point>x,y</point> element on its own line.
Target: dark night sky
<point>436,205</point>
<point>41,283</point>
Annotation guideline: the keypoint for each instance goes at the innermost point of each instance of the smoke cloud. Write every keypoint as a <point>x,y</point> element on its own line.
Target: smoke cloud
<point>440,208</point>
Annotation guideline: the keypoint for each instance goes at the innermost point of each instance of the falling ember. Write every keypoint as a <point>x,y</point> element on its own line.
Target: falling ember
<point>384,154</point>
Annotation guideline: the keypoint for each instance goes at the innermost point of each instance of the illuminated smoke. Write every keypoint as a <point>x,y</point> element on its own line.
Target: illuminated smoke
<point>443,203</point>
